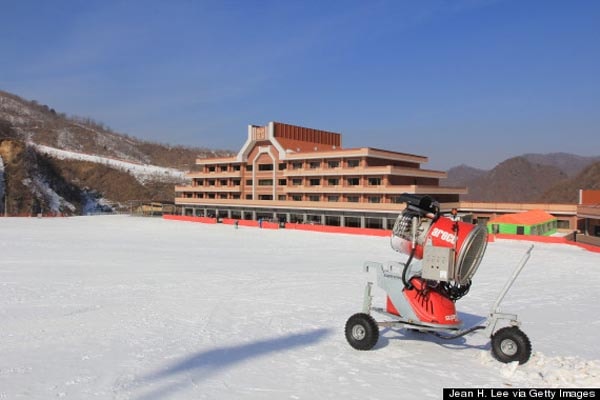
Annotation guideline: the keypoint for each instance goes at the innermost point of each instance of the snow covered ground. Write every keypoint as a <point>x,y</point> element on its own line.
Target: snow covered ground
<point>119,307</point>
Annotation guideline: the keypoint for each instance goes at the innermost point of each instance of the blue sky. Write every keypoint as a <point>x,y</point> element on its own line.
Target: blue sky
<point>471,81</point>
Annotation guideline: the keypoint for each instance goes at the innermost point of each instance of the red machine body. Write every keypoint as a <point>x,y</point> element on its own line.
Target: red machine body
<point>429,306</point>
<point>450,250</point>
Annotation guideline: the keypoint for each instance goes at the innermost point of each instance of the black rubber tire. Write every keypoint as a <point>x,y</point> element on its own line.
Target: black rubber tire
<point>362,331</point>
<point>511,344</point>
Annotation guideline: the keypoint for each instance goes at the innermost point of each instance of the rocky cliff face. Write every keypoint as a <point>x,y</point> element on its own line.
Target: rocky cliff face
<point>31,185</point>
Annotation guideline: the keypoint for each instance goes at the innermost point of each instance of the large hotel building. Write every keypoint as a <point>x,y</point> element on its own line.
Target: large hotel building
<point>296,174</point>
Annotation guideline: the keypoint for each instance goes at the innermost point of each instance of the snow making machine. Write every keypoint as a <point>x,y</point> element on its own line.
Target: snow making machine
<point>421,292</point>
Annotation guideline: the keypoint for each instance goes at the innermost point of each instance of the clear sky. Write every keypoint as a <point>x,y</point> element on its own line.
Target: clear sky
<point>465,81</point>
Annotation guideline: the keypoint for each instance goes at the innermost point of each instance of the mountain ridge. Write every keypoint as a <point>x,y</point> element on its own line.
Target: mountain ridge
<point>531,177</point>
<point>38,123</point>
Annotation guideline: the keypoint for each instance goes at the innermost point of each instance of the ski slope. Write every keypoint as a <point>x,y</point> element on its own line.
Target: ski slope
<point>119,307</point>
<point>141,172</point>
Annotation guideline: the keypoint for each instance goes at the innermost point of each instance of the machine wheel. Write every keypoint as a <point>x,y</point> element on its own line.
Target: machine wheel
<point>362,331</point>
<point>511,344</point>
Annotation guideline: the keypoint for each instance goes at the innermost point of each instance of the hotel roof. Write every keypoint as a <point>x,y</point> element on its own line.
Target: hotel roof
<point>532,217</point>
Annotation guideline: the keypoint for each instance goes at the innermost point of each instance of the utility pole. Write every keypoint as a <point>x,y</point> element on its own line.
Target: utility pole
<point>5,195</point>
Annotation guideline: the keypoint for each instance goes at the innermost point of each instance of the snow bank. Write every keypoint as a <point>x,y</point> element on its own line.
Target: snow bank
<point>547,371</point>
<point>41,188</point>
<point>142,172</point>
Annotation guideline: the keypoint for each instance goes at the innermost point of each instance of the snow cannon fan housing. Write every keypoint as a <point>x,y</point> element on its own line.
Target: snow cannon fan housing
<point>451,251</point>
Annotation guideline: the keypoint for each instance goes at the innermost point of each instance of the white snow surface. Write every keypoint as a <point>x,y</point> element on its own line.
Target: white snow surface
<point>120,307</point>
<point>142,172</point>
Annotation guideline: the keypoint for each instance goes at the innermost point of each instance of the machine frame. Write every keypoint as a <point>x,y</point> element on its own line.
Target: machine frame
<point>509,343</point>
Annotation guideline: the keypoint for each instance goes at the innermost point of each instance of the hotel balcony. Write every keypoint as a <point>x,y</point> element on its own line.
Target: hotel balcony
<point>214,174</point>
<point>358,171</point>
<point>358,189</point>
<point>204,189</point>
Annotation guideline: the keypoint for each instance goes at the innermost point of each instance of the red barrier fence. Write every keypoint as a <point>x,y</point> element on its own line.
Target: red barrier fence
<point>275,225</point>
<point>250,223</point>
<point>204,220</point>
<point>368,231</point>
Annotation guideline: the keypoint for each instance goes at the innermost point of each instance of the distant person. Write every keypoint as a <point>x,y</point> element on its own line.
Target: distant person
<point>454,215</point>
<point>236,223</point>
<point>260,223</point>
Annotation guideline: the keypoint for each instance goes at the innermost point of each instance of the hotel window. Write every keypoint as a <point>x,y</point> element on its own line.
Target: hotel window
<point>352,199</point>
<point>211,195</point>
<point>297,197</point>
<point>248,167</point>
<point>282,182</point>
<point>314,197</point>
<point>563,224</point>
<point>223,195</point>
<point>235,196</point>
<point>236,182</point>
<point>374,181</point>
<point>297,181</point>
<point>223,182</point>
<point>236,168</point>
<point>211,182</point>
<point>353,181</point>
<point>333,198</point>
<point>314,164</point>
<point>265,167</point>
<point>374,199</point>
<point>248,197</point>
<point>249,182</point>
<point>353,163</point>
<point>211,168</point>
<point>297,165</point>
<point>333,181</point>
<point>223,168</point>
<point>282,166</point>
<point>282,197</point>
<point>198,182</point>
<point>396,199</point>
<point>333,164</point>
<point>315,182</point>
<point>200,195</point>
<point>265,182</point>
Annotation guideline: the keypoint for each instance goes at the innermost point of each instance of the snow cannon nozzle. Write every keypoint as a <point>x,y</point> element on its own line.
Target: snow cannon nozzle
<point>423,206</point>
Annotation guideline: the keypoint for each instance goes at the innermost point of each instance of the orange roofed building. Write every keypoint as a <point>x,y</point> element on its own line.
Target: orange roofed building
<point>295,174</point>
<point>533,222</point>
